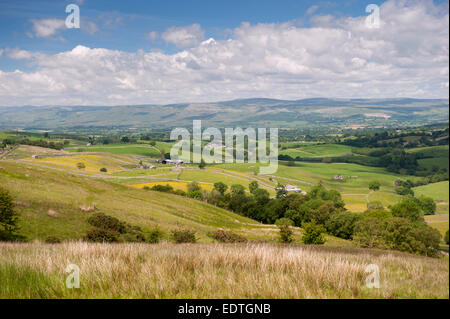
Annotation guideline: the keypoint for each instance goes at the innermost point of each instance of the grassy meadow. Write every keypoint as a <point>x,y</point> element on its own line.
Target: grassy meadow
<point>167,270</point>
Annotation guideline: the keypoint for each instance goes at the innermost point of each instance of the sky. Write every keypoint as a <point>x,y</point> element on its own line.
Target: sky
<point>162,52</point>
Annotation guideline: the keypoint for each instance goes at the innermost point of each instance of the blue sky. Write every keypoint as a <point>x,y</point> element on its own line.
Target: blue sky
<point>261,48</point>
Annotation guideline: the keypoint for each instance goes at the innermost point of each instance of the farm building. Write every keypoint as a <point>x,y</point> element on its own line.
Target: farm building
<point>34,156</point>
<point>292,188</point>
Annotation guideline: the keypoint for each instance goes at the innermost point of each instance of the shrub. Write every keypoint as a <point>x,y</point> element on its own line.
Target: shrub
<point>193,187</point>
<point>374,185</point>
<point>313,233</point>
<point>446,237</point>
<point>228,237</point>
<point>103,170</point>
<point>81,165</point>
<point>154,236</point>
<point>183,236</point>
<point>100,235</point>
<point>402,190</point>
<point>284,225</point>
<point>107,223</point>
<point>162,188</point>
<point>195,194</point>
<point>52,240</point>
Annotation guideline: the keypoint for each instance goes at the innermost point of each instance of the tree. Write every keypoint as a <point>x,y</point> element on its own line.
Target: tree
<point>253,186</point>
<point>446,239</point>
<point>237,189</point>
<point>409,209</point>
<point>313,233</point>
<point>220,187</point>
<point>427,204</point>
<point>342,225</point>
<point>284,225</point>
<point>374,185</point>
<point>8,216</point>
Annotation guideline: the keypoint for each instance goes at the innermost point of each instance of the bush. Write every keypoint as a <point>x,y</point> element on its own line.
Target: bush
<point>103,170</point>
<point>195,194</point>
<point>313,233</point>
<point>81,165</point>
<point>402,190</point>
<point>284,224</point>
<point>162,188</point>
<point>52,240</point>
<point>154,236</point>
<point>374,185</point>
<point>183,236</point>
<point>193,187</point>
<point>228,237</point>
<point>446,237</point>
<point>107,223</point>
<point>100,235</point>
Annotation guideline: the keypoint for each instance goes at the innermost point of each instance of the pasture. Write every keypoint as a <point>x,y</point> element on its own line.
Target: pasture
<point>216,271</point>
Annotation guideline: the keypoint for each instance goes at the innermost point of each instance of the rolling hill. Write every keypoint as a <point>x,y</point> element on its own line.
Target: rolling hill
<point>318,112</point>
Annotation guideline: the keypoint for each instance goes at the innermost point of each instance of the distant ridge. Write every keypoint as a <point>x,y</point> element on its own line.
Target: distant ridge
<point>312,112</point>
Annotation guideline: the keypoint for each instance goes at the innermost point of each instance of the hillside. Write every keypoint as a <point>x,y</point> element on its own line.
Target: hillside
<point>327,113</point>
<point>49,205</point>
<point>216,271</point>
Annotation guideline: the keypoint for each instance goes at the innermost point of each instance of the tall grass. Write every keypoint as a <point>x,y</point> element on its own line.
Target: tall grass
<point>166,270</point>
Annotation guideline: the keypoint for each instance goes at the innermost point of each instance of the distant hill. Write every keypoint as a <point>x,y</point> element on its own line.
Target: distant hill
<point>317,112</point>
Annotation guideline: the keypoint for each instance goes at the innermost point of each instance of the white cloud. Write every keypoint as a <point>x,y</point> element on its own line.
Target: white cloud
<point>152,36</point>
<point>408,56</point>
<point>183,37</point>
<point>46,28</point>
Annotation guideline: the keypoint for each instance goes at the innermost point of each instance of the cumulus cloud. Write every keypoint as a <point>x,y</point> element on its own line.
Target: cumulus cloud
<point>408,56</point>
<point>46,28</point>
<point>183,37</point>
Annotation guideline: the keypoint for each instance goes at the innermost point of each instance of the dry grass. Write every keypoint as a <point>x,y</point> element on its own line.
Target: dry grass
<point>215,271</point>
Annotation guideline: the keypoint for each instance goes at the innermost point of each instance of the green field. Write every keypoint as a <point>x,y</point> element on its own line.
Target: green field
<point>37,191</point>
<point>320,150</point>
<point>437,191</point>
<point>132,149</point>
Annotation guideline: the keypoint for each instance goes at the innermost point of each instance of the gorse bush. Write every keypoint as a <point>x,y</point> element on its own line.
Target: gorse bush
<point>183,236</point>
<point>107,222</point>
